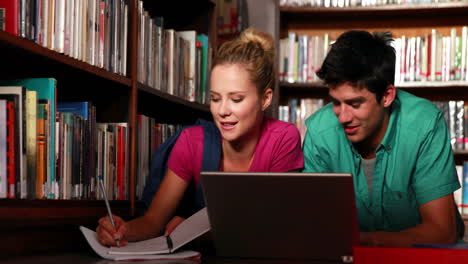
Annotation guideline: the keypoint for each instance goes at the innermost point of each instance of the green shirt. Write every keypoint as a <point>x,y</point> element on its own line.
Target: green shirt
<point>414,162</point>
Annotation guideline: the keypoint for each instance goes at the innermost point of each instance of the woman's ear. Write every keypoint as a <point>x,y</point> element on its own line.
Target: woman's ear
<point>266,98</point>
<point>389,96</point>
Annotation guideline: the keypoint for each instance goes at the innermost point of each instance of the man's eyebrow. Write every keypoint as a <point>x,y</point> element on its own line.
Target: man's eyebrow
<point>358,99</point>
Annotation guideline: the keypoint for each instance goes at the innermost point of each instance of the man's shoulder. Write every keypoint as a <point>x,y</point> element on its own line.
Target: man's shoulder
<point>323,120</point>
<point>416,109</point>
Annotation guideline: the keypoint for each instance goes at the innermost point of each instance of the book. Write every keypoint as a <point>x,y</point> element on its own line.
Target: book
<point>31,144</point>
<point>17,95</point>
<point>45,88</point>
<point>161,247</point>
<point>3,149</point>
<point>9,11</point>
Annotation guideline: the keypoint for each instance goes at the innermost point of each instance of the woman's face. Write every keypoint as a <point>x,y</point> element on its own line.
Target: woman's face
<point>236,105</point>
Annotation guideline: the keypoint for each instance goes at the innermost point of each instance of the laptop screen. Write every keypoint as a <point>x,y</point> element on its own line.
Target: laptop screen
<point>281,215</point>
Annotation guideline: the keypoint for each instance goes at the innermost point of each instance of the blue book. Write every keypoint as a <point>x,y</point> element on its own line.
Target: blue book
<point>45,88</point>
<point>77,108</point>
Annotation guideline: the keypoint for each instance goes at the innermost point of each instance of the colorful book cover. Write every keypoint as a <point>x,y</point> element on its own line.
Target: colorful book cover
<point>46,89</point>
<point>204,67</point>
<point>9,16</point>
<point>77,108</point>
<point>3,149</point>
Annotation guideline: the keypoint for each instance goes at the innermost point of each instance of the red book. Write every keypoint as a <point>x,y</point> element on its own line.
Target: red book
<point>9,16</point>
<point>11,176</point>
<point>120,163</point>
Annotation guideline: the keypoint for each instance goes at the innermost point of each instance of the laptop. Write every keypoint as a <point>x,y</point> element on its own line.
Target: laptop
<point>282,215</point>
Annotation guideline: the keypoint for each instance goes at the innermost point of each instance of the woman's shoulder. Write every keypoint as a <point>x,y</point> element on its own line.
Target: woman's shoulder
<point>275,126</point>
<point>193,132</point>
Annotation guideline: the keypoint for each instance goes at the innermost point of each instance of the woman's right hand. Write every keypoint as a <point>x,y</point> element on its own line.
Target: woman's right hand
<point>108,236</point>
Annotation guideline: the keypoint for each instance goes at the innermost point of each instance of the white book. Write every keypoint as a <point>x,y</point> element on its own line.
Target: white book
<point>79,32</point>
<point>191,36</point>
<point>60,25</point>
<point>84,29</point>
<point>45,22</point>
<point>156,248</point>
<point>170,36</point>
<point>68,25</point>
<point>76,29</point>
<point>91,38</point>
<point>71,4</point>
<point>124,41</point>
<point>464,43</point>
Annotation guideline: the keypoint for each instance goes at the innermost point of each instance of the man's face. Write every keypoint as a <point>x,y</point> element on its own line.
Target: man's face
<point>363,118</point>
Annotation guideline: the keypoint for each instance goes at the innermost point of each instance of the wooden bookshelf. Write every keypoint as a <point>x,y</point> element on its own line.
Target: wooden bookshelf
<point>42,226</point>
<point>408,20</point>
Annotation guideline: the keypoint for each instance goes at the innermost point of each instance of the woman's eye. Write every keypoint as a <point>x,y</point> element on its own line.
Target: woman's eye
<point>237,100</point>
<point>214,99</point>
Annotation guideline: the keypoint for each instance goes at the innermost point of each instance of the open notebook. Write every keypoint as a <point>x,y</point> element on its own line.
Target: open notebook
<point>156,248</point>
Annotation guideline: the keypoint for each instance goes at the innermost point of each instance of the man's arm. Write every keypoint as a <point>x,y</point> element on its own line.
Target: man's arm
<point>438,227</point>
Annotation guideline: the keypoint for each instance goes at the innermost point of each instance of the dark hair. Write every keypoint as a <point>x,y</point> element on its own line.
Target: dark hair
<point>255,50</point>
<point>364,59</point>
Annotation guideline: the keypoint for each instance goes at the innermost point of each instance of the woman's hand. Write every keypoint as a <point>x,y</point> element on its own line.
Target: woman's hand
<point>108,236</point>
<point>173,223</point>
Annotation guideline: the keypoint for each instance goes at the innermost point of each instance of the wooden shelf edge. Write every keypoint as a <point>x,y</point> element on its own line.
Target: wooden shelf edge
<point>58,203</point>
<point>173,98</point>
<point>454,6</point>
<point>405,85</point>
<point>36,49</point>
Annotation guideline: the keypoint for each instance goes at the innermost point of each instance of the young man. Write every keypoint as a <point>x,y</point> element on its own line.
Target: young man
<point>396,146</point>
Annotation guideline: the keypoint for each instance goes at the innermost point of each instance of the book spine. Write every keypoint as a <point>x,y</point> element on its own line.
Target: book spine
<point>41,152</point>
<point>3,149</point>
<point>11,153</point>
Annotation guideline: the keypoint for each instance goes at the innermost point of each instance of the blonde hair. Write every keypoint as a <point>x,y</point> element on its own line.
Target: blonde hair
<point>255,50</point>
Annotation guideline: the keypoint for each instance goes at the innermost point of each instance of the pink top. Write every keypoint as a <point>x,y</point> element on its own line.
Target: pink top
<point>278,150</point>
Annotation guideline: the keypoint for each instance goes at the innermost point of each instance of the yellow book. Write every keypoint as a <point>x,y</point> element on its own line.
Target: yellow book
<point>31,147</point>
<point>41,151</point>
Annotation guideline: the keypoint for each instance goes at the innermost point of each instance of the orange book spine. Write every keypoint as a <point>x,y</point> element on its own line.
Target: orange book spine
<point>41,152</point>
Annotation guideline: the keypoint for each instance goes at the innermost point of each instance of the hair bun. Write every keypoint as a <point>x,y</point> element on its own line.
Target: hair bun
<point>263,39</point>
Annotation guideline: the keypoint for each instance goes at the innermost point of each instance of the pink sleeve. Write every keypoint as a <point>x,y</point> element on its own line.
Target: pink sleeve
<point>287,155</point>
<point>180,160</point>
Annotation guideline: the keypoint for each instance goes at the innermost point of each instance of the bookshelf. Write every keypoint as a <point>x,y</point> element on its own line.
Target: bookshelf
<point>41,226</point>
<point>408,19</point>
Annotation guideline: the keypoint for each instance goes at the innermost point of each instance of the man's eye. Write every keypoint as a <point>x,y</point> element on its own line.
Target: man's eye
<point>355,106</point>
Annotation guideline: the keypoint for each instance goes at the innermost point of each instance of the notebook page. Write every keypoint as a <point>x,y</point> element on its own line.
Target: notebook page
<point>193,227</point>
<point>102,251</point>
<point>156,245</point>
